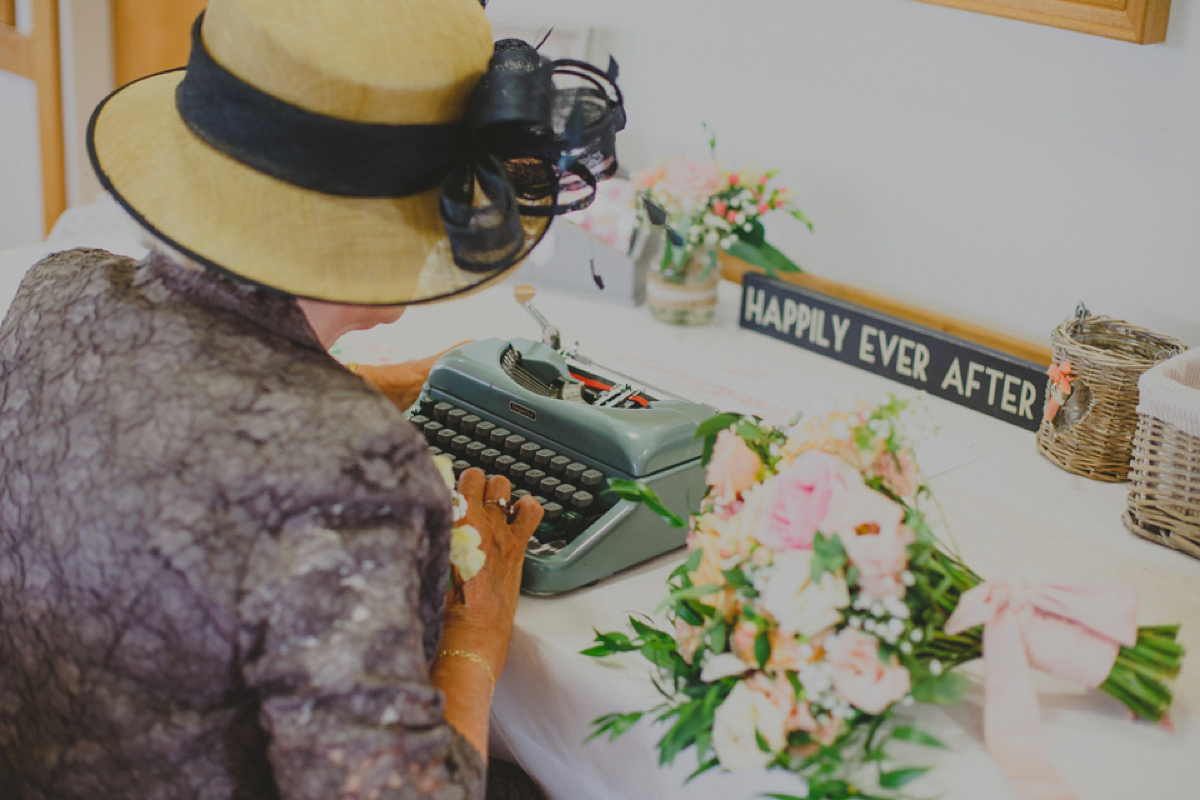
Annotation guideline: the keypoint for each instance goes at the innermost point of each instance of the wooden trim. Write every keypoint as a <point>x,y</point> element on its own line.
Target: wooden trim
<point>1138,21</point>
<point>14,52</point>
<point>8,12</point>
<point>46,71</point>
<point>734,268</point>
<point>151,35</point>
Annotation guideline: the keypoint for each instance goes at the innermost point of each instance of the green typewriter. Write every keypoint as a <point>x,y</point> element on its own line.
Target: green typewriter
<point>560,427</point>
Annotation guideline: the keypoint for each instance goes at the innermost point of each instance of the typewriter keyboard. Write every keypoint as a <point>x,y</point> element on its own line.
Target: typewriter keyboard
<point>568,490</point>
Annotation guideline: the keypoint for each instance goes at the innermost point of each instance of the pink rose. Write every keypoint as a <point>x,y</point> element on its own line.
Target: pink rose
<point>719,208</point>
<point>862,510</point>
<point>734,466</point>
<point>764,208</point>
<point>880,559</point>
<point>691,182</point>
<point>859,676</point>
<point>799,498</point>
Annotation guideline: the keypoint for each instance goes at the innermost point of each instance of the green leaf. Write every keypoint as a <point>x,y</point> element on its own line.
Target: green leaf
<point>614,724</point>
<point>640,492</point>
<point>907,733</point>
<point>763,255</point>
<point>944,690</point>
<point>896,778</point>
<point>703,768</point>
<point>828,555</point>
<point>715,424</point>
<point>762,648</point>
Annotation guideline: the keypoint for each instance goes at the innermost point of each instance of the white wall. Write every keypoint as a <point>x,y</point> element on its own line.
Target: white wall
<point>995,170</point>
<point>20,163</point>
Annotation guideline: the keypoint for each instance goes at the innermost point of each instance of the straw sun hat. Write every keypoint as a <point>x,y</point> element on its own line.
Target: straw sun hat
<point>357,151</point>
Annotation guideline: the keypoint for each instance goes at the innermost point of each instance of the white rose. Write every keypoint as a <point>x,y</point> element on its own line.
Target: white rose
<point>743,713</point>
<point>799,605</point>
<point>722,665</point>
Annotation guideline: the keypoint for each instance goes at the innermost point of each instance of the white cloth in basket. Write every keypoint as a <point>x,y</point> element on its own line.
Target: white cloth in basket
<point>1170,392</point>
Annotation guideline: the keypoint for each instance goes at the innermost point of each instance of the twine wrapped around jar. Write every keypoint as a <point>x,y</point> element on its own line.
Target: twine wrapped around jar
<point>1089,428</point>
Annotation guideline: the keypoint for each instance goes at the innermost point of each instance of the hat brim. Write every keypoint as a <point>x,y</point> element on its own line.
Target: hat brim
<point>231,218</point>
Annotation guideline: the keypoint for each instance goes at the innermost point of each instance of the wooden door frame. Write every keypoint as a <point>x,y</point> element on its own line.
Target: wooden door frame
<point>36,56</point>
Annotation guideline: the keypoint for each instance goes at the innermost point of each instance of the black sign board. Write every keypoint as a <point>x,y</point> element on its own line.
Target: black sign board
<point>986,380</point>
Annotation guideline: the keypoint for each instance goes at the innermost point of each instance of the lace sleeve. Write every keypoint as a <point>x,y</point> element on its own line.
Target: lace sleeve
<point>332,641</point>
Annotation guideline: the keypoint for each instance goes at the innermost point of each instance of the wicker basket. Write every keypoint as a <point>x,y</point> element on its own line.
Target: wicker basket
<point>1092,433</point>
<point>1164,476</point>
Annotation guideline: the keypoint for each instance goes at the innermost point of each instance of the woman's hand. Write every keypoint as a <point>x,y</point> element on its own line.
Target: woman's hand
<point>478,626</point>
<point>402,383</point>
<point>489,600</point>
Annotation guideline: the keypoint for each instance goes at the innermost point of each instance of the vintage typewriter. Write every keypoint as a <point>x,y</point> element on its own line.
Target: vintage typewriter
<point>560,427</point>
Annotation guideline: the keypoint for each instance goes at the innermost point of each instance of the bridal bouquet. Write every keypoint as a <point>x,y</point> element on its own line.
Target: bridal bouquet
<point>815,601</point>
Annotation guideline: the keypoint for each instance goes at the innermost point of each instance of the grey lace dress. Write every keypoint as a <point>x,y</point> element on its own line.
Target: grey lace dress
<point>222,556</point>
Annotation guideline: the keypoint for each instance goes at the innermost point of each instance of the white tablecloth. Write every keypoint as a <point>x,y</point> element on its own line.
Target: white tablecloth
<point>1006,508</point>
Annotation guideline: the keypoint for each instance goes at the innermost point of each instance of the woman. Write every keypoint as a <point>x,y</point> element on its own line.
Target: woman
<point>223,556</point>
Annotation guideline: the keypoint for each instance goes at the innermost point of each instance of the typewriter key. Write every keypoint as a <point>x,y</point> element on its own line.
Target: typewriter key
<point>488,457</point>
<point>559,463</point>
<point>533,477</point>
<point>574,470</point>
<point>548,485</point>
<point>444,436</point>
<point>454,417</point>
<point>504,463</point>
<point>512,444</point>
<point>553,511</point>
<point>431,429</point>
<point>475,450</point>
<point>418,419</point>
<point>518,494</point>
<point>468,423</point>
<point>460,442</point>
<point>517,472</point>
<point>460,465</point>
<point>563,492</point>
<point>591,478</point>
<point>581,499</point>
<point>529,450</point>
<point>441,410</point>
<point>543,457</point>
<point>435,451</point>
<point>483,430</point>
<point>498,435</point>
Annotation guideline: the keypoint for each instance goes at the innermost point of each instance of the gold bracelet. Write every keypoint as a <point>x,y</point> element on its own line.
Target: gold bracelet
<point>353,367</point>
<point>467,654</point>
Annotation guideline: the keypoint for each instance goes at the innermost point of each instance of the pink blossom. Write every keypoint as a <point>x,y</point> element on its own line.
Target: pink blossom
<point>691,182</point>
<point>798,500</point>
<point>646,178</point>
<point>688,638</point>
<point>859,676</point>
<point>764,208</point>
<point>733,179</point>
<point>731,216</point>
<point>734,466</point>
<point>720,207</point>
<point>762,179</point>
<point>742,641</point>
<point>899,472</point>
<point>880,558</point>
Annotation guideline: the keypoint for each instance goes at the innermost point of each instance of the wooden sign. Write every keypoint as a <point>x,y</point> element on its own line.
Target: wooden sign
<point>988,381</point>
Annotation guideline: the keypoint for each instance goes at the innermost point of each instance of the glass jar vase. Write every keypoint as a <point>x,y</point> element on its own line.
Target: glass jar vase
<point>686,295</point>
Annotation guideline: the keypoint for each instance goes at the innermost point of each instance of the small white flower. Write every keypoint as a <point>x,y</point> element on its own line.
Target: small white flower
<point>907,578</point>
<point>917,634</point>
<point>711,238</point>
<point>935,667</point>
<point>876,609</point>
<point>856,622</point>
<point>906,647</point>
<point>869,625</point>
<point>465,554</point>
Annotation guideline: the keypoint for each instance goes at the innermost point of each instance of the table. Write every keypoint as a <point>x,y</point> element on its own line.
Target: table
<point>1006,508</point>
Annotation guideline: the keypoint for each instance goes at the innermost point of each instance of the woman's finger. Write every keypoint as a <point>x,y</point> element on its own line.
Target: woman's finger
<point>528,514</point>
<point>471,485</point>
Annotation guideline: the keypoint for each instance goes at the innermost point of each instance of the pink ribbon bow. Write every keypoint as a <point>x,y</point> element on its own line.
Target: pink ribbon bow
<point>1073,632</point>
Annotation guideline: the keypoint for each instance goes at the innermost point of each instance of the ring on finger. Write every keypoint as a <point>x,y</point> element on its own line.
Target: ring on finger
<point>505,505</point>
